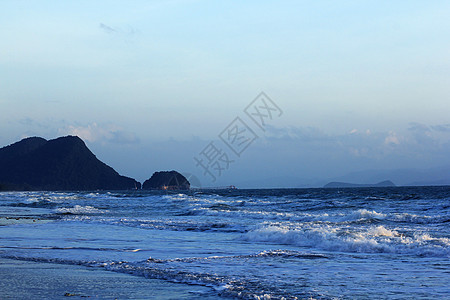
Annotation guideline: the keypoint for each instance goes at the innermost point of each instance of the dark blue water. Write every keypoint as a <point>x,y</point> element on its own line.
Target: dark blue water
<point>383,243</point>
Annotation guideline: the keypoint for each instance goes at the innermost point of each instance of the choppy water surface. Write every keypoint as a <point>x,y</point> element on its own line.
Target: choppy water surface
<point>293,243</point>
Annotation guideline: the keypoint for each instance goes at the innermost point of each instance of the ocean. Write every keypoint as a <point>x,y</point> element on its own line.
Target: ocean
<point>353,243</point>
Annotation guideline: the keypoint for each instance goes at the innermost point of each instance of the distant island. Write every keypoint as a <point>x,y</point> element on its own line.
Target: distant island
<point>166,180</point>
<point>60,164</point>
<point>386,183</point>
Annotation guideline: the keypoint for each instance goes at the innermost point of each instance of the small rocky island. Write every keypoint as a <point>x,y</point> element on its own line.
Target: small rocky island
<point>61,164</point>
<point>166,180</point>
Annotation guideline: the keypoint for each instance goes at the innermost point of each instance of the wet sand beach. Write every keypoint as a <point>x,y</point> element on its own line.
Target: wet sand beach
<point>34,280</point>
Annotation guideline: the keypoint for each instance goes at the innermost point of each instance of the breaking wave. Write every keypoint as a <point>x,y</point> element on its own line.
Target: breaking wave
<point>376,239</point>
<point>80,210</point>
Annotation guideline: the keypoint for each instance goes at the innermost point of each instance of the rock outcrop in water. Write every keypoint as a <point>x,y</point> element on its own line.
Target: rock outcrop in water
<point>386,183</point>
<point>166,180</point>
<point>64,163</point>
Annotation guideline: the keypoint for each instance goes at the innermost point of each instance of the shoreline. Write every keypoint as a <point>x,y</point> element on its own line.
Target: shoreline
<point>21,279</point>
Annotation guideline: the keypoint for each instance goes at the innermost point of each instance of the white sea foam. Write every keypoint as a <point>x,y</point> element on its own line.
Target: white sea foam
<point>359,215</point>
<point>78,210</point>
<point>370,240</point>
<point>367,214</point>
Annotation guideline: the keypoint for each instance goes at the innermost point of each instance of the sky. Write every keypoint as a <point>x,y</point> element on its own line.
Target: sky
<point>148,85</point>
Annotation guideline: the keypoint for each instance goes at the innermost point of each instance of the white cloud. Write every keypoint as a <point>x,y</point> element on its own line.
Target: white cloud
<point>95,133</point>
<point>441,128</point>
<point>435,135</point>
<point>304,134</point>
<point>359,151</point>
<point>414,143</point>
<point>91,133</point>
<point>391,139</point>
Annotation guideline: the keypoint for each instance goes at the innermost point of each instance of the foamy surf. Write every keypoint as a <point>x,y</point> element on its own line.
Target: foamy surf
<point>375,239</point>
<point>79,210</point>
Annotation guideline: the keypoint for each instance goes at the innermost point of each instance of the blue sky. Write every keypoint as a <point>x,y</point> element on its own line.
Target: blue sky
<point>148,84</point>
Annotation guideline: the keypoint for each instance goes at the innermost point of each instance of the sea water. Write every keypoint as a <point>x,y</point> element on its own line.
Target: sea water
<point>354,243</point>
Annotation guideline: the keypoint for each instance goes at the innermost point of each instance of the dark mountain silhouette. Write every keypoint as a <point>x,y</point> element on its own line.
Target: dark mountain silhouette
<point>386,183</point>
<point>166,180</point>
<point>64,163</point>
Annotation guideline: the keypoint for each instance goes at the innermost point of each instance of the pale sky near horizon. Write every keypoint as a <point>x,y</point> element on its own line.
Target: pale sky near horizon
<point>148,84</point>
